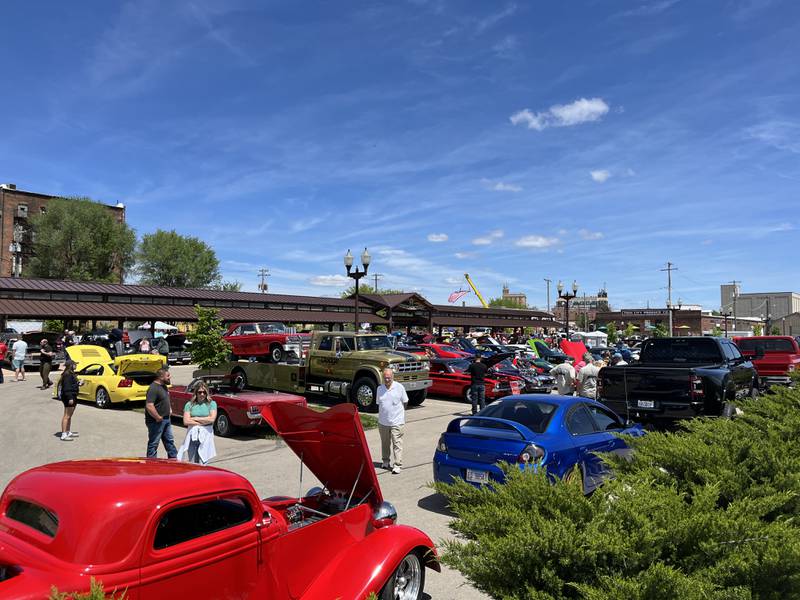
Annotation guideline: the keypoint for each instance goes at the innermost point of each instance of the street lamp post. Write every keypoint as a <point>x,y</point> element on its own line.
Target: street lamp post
<point>566,297</point>
<point>356,274</point>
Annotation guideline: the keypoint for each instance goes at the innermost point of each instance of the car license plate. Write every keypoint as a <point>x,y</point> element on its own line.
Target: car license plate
<point>477,476</point>
<point>646,403</point>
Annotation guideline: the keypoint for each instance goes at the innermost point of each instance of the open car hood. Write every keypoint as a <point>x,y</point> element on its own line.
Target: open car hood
<point>491,361</point>
<point>85,355</point>
<point>331,444</point>
<point>138,363</point>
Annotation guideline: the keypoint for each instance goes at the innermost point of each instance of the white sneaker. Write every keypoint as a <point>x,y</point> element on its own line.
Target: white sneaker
<point>73,434</point>
<point>396,470</point>
<point>65,437</point>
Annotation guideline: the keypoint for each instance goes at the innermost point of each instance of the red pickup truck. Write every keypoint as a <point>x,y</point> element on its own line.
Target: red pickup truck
<point>781,357</point>
<point>273,341</point>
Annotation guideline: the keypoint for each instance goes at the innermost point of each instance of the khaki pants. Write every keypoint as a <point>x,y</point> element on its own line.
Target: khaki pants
<point>391,434</point>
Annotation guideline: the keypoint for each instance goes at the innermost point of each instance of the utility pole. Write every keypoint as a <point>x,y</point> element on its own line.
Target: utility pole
<point>669,271</point>
<point>548,281</point>
<point>263,273</point>
<point>735,294</point>
<point>377,276</point>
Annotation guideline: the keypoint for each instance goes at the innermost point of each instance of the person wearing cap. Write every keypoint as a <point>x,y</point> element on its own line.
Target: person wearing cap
<point>617,360</point>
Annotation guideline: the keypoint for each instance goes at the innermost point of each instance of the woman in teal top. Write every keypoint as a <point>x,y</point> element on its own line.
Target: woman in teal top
<point>199,415</point>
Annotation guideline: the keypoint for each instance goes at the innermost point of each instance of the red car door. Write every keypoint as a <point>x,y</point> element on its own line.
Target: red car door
<point>205,547</point>
<point>178,397</point>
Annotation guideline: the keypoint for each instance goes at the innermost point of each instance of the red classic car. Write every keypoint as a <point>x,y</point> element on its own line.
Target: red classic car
<point>450,379</point>
<point>160,529</point>
<point>273,341</point>
<point>445,351</point>
<point>235,409</point>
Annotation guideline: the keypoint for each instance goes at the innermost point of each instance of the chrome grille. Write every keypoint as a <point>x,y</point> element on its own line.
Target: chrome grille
<point>405,367</point>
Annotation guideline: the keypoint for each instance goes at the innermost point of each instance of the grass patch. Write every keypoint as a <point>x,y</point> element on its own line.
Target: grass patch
<point>367,421</point>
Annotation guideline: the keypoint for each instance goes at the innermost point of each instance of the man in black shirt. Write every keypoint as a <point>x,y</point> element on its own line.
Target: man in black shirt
<point>157,416</point>
<point>46,355</point>
<point>477,371</point>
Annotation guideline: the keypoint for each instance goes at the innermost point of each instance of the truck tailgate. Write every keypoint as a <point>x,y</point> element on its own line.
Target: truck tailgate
<point>645,389</point>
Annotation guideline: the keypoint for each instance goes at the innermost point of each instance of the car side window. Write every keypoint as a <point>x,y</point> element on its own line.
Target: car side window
<point>196,520</point>
<point>579,421</point>
<point>728,351</point>
<point>605,420</point>
<point>346,344</point>
<point>326,343</point>
<point>237,331</point>
<point>736,353</point>
<point>249,329</point>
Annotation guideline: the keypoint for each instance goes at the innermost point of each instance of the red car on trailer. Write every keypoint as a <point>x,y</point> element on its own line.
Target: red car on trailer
<point>159,529</point>
<point>272,341</point>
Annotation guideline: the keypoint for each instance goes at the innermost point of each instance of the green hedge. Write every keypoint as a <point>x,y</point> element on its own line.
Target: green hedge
<point>709,512</point>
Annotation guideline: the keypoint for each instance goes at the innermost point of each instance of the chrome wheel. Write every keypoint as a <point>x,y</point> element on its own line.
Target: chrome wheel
<point>239,381</point>
<point>102,398</point>
<point>407,579</point>
<point>223,425</point>
<point>365,396</point>
<point>276,354</point>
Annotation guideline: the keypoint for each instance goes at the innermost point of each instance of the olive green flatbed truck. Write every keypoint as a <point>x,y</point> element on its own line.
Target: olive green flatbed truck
<point>341,364</point>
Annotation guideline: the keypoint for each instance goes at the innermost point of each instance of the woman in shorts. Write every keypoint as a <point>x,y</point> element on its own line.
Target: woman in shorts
<point>199,415</point>
<point>68,388</point>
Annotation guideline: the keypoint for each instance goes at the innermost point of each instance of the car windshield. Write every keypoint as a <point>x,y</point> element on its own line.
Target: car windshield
<point>532,414</point>
<point>459,366</point>
<point>271,327</point>
<point>374,342</point>
<point>689,350</point>
<point>506,365</point>
<point>449,349</point>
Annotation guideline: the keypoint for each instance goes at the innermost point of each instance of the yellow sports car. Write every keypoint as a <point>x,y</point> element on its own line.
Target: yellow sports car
<point>105,380</point>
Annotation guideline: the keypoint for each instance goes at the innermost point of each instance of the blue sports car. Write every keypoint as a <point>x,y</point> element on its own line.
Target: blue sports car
<point>533,431</point>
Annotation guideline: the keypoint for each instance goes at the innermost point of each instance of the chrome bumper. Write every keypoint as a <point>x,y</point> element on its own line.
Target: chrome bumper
<point>412,386</point>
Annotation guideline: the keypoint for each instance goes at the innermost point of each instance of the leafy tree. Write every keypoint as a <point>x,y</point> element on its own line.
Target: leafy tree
<point>660,331</point>
<point>630,330</point>
<point>758,329</point>
<point>208,349</point>
<point>504,303</point>
<point>716,331</point>
<point>227,286</point>
<point>166,258</point>
<point>706,512</point>
<point>53,325</point>
<point>775,330</point>
<point>611,331</point>
<point>80,239</point>
<point>365,288</point>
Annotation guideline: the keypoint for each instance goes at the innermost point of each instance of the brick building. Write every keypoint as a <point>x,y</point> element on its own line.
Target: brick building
<point>583,305</point>
<point>685,321</point>
<point>16,209</point>
<point>518,299</point>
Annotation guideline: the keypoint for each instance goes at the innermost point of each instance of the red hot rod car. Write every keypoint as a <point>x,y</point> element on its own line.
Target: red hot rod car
<point>273,341</point>
<point>160,529</point>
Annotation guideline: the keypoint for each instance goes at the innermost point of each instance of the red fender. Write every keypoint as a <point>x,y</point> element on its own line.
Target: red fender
<point>366,567</point>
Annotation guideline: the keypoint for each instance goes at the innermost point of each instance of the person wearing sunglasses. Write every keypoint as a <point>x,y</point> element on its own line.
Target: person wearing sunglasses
<point>199,415</point>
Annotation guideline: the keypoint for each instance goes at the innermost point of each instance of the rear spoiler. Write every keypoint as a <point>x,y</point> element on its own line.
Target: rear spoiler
<point>524,433</point>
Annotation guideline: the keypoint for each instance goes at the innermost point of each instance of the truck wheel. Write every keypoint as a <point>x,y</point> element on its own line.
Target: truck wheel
<point>407,581</point>
<point>728,410</point>
<point>239,382</point>
<point>222,425</point>
<point>364,394</point>
<point>276,354</point>
<point>417,398</point>
<point>754,389</point>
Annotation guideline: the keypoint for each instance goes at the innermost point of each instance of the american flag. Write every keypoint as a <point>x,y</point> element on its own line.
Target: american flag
<point>456,295</point>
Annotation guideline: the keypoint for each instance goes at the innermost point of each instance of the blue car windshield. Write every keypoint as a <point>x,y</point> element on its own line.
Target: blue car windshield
<point>532,414</point>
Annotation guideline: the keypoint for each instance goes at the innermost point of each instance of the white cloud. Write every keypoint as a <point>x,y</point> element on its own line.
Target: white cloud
<point>600,175</point>
<point>649,9</point>
<point>630,172</point>
<point>501,186</point>
<point>489,239</point>
<point>305,224</point>
<point>493,19</point>
<point>453,280</point>
<point>437,237</point>
<point>536,241</point>
<point>590,235</point>
<point>782,135</point>
<point>582,110</point>
<point>330,280</point>
<point>464,254</point>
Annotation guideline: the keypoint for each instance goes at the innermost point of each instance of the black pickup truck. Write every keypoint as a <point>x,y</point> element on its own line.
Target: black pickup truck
<point>679,378</point>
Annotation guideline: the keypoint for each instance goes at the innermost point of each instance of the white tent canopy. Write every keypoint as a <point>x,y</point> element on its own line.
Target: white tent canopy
<point>160,326</point>
<point>592,339</point>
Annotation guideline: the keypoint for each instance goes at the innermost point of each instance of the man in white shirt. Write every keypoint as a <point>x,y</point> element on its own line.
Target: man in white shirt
<point>587,377</point>
<point>565,377</point>
<point>20,349</point>
<point>392,400</point>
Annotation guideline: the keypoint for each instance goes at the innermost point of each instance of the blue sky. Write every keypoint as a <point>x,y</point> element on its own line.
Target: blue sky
<point>514,141</point>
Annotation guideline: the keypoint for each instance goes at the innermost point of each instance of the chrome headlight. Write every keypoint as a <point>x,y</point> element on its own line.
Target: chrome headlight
<point>395,367</point>
<point>385,511</point>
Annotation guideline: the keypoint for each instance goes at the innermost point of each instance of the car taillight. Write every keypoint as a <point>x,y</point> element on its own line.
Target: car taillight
<point>442,445</point>
<point>696,385</point>
<point>123,383</point>
<point>530,454</point>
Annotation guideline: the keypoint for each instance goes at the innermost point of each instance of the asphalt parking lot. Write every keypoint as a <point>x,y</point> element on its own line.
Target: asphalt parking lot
<point>32,419</point>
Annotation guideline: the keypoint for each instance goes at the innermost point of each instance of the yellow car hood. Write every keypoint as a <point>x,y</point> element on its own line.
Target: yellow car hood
<point>139,363</point>
<point>85,355</point>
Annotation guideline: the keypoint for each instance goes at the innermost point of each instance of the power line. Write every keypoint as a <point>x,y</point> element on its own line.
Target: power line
<point>263,273</point>
<point>377,276</point>
<point>548,281</point>
<point>669,271</point>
